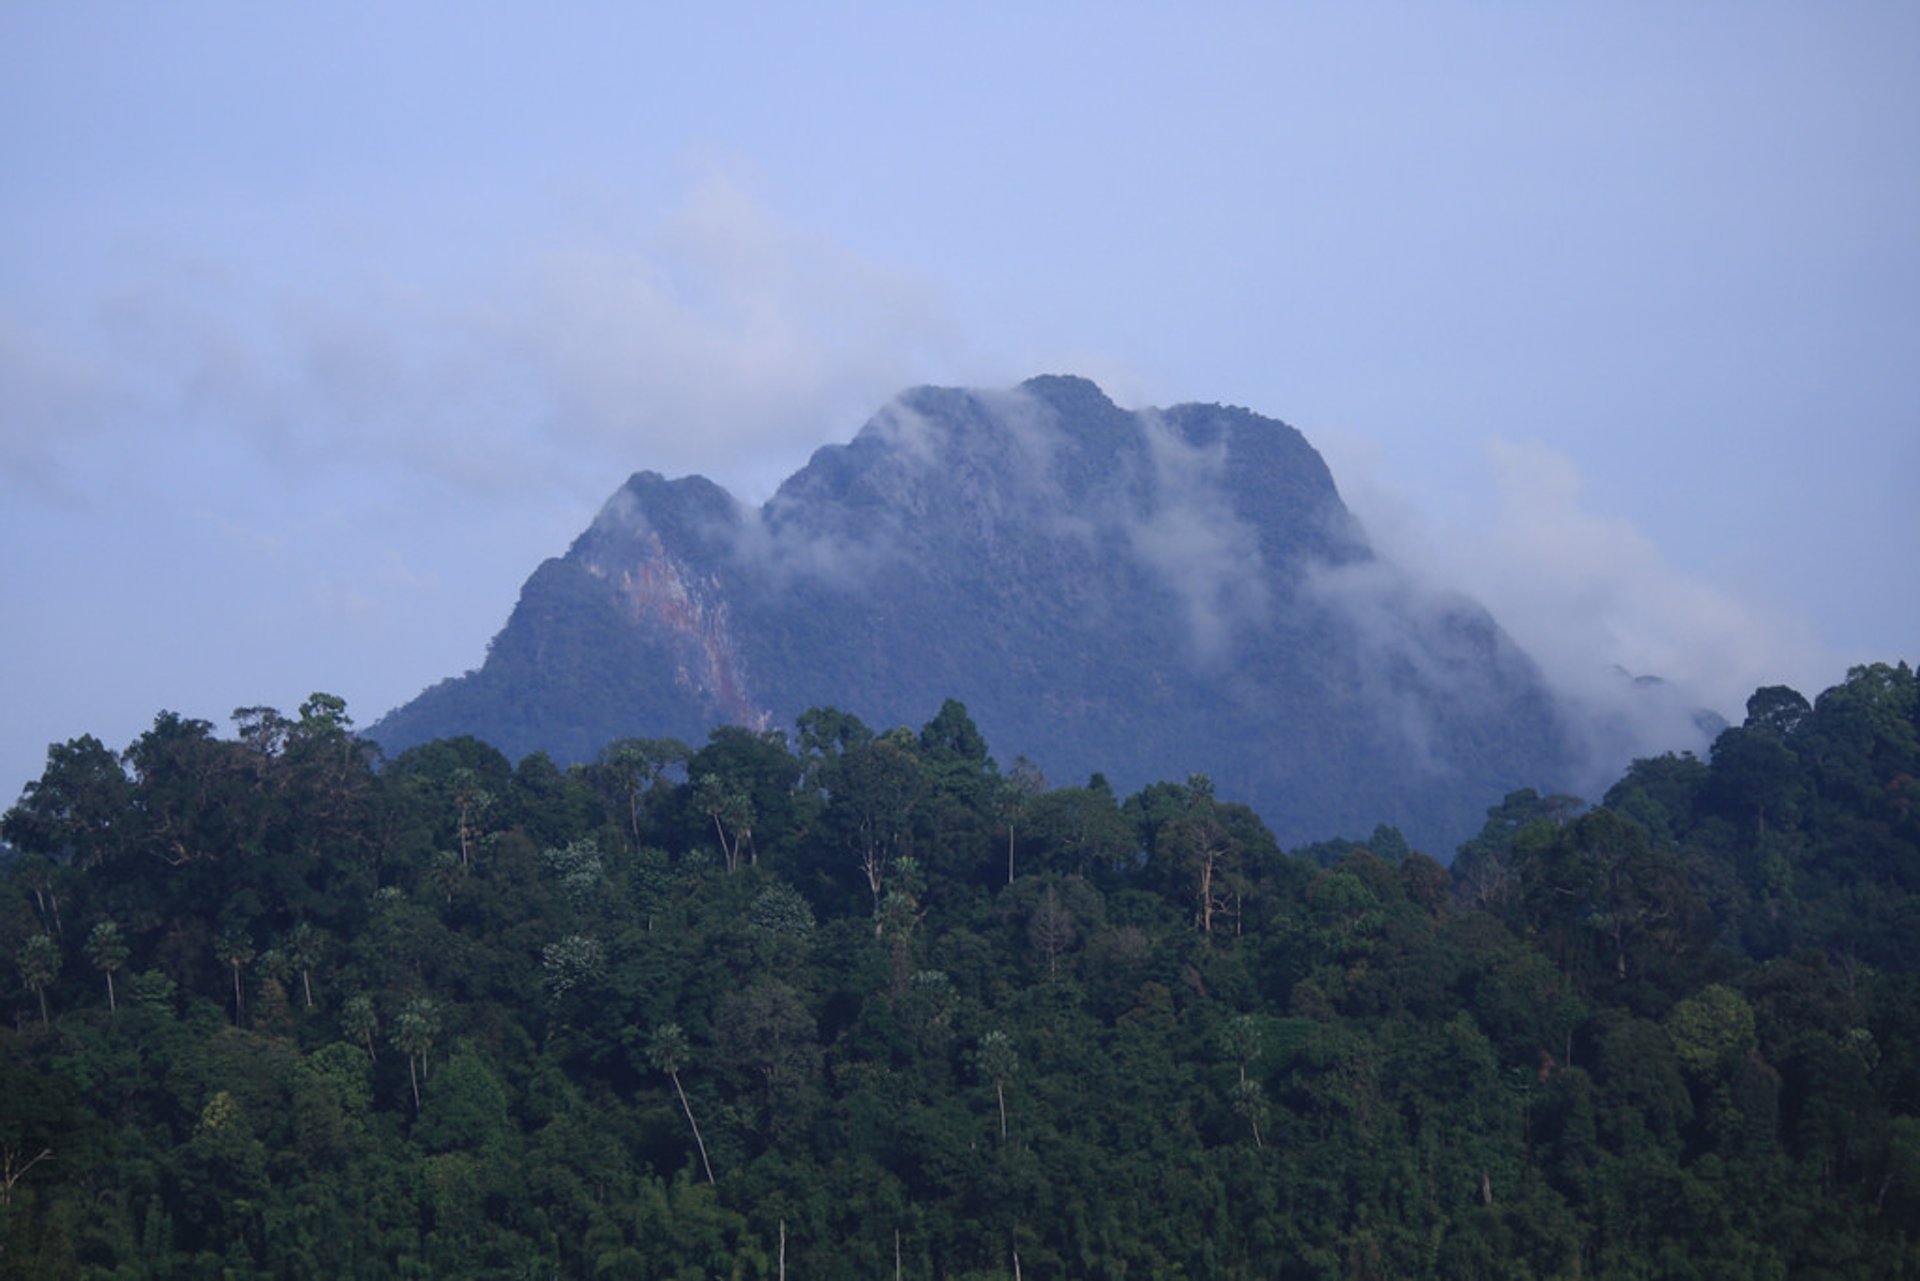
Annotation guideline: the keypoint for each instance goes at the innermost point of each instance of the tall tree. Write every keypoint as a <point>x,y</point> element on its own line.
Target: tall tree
<point>1240,1039</point>
<point>997,1061</point>
<point>75,812</point>
<point>731,811</point>
<point>303,948</point>
<point>667,1052</point>
<point>39,963</point>
<point>107,950</point>
<point>414,1030</point>
<point>631,767</point>
<point>359,1020</point>
<point>1023,784</point>
<point>234,947</point>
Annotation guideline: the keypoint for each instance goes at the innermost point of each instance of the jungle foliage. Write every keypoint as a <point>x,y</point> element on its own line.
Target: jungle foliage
<point>860,1003</point>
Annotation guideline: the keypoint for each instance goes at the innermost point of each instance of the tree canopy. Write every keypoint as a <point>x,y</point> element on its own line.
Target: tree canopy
<point>859,1003</point>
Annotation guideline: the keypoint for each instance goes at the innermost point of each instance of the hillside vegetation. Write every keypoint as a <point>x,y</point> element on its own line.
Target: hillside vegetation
<point>861,1003</point>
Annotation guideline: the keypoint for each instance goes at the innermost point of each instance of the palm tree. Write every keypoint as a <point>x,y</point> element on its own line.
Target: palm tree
<point>39,962</point>
<point>998,1061</point>
<point>107,949</point>
<point>303,953</point>
<point>1240,1038</point>
<point>234,947</point>
<point>413,1032</point>
<point>359,1021</point>
<point>667,1050</point>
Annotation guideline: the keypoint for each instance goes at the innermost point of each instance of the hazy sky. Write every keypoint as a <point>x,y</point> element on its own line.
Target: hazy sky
<point>320,326</point>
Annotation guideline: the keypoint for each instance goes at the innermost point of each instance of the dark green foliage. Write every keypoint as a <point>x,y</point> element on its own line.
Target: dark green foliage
<point>456,1017</point>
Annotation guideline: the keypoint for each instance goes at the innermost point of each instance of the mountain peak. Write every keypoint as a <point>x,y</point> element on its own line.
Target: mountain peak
<point>1145,594</point>
<point>1067,390</point>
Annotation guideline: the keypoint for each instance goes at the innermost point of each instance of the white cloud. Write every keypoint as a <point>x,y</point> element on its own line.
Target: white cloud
<point>718,340</point>
<point>1587,595</point>
<point>706,337</point>
<point>1190,537</point>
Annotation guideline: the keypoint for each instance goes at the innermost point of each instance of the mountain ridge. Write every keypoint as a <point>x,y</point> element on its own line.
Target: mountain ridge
<point>1154,592</point>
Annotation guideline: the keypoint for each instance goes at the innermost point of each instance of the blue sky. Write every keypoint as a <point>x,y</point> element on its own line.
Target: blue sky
<point>321,326</point>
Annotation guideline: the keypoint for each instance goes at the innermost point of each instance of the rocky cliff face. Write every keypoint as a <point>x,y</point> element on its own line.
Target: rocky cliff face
<point>1148,594</point>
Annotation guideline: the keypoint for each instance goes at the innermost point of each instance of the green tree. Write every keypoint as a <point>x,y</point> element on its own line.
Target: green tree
<point>414,1030</point>
<point>731,811</point>
<point>234,948</point>
<point>1240,1040</point>
<point>873,791</point>
<point>39,963</point>
<point>997,1061</point>
<point>471,804</point>
<point>107,950</point>
<point>1250,1105</point>
<point>359,1020</point>
<point>1201,851</point>
<point>1023,784</point>
<point>575,962</point>
<point>769,1043</point>
<point>633,766</point>
<point>75,811</point>
<point>303,948</point>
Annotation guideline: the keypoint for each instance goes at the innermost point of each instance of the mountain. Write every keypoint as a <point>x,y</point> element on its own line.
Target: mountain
<point>1152,594</point>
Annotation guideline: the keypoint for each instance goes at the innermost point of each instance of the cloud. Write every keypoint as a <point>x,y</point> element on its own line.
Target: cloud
<point>708,336</point>
<point>1588,596</point>
<point>47,402</point>
<point>719,340</point>
<point>1188,535</point>
<point>1425,649</point>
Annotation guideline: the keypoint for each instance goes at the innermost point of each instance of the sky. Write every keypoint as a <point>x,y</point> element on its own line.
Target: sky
<point>321,326</point>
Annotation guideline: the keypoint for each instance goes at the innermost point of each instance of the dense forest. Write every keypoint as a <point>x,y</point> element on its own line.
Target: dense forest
<point>861,1003</point>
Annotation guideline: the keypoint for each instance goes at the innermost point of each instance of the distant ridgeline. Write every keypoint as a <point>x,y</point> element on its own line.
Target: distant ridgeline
<point>1152,594</point>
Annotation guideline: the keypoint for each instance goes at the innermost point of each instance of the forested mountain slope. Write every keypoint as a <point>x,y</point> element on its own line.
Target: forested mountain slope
<point>1142,593</point>
<point>861,1004</point>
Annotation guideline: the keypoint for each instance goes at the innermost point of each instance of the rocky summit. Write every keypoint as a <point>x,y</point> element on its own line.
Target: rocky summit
<point>1149,594</point>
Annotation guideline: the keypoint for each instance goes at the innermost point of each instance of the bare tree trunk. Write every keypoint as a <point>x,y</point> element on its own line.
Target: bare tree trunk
<point>697,1140</point>
<point>1001,1090</point>
<point>113,1006</point>
<point>416,1085</point>
<point>11,1173</point>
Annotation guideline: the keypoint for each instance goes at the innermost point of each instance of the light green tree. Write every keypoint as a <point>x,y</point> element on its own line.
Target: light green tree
<point>574,962</point>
